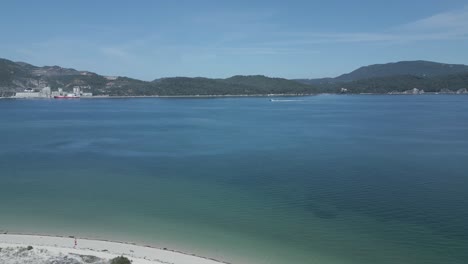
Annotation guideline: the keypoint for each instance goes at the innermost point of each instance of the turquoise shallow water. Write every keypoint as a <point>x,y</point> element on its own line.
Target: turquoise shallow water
<point>321,179</point>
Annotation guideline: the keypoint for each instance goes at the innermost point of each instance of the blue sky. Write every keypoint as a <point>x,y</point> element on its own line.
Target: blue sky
<point>291,39</point>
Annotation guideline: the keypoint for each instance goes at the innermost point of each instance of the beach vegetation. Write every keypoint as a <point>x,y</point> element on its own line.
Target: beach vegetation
<point>120,260</point>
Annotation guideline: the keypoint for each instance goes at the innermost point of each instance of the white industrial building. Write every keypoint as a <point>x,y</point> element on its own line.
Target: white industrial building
<point>47,93</point>
<point>30,93</point>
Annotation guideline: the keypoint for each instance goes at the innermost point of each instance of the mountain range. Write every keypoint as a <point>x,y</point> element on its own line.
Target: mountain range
<point>424,69</point>
<point>378,78</point>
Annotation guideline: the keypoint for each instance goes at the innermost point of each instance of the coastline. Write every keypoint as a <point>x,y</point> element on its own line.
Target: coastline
<point>232,95</point>
<point>173,96</point>
<point>194,96</point>
<point>106,249</point>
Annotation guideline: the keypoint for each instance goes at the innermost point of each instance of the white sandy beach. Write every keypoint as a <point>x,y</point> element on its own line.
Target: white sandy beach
<point>53,245</point>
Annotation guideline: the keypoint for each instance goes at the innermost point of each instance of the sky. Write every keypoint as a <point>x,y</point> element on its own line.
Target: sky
<point>218,39</point>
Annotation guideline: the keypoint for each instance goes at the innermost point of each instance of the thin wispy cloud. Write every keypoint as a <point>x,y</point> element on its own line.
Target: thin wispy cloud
<point>264,51</point>
<point>116,52</point>
<point>455,21</point>
<point>450,25</point>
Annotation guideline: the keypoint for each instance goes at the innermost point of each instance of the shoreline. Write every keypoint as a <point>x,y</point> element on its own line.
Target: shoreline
<point>139,254</point>
<point>228,95</point>
<point>194,96</point>
<point>172,96</point>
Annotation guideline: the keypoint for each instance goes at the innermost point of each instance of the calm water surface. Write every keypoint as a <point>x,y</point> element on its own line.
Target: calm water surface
<point>324,179</point>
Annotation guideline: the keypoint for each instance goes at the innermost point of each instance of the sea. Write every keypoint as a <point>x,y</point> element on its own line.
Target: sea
<point>326,179</point>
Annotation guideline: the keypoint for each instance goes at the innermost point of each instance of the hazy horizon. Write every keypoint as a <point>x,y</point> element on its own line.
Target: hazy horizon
<point>300,39</point>
<point>253,74</point>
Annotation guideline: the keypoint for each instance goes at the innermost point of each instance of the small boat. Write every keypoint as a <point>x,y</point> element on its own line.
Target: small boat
<point>67,96</point>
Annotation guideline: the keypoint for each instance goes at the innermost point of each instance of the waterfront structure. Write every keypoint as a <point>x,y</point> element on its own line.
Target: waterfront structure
<point>76,90</point>
<point>77,93</point>
<point>46,92</point>
<point>30,93</point>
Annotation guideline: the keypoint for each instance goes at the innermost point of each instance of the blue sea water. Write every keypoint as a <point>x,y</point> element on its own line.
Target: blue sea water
<point>321,179</point>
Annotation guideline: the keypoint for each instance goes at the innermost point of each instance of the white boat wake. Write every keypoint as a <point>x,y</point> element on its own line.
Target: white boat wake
<point>286,100</point>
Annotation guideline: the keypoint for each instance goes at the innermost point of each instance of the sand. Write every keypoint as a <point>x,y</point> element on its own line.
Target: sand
<point>102,249</point>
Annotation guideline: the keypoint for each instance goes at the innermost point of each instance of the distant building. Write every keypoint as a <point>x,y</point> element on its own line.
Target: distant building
<point>414,91</point>
<point>76,90</point>
<point>462,91</point>
<point>82,87</point>
<point>45,92</point>
<point>29,93</point>
<point>59,92</point>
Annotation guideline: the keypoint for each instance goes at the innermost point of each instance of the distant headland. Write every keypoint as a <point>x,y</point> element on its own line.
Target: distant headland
<point>23,80</point>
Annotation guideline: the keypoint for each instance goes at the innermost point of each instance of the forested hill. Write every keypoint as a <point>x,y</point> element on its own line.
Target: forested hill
<point>383,78</point>
<point>400,83</point>
<point>16,76</point>
<point>426,69</point>
<point>397,77</point>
